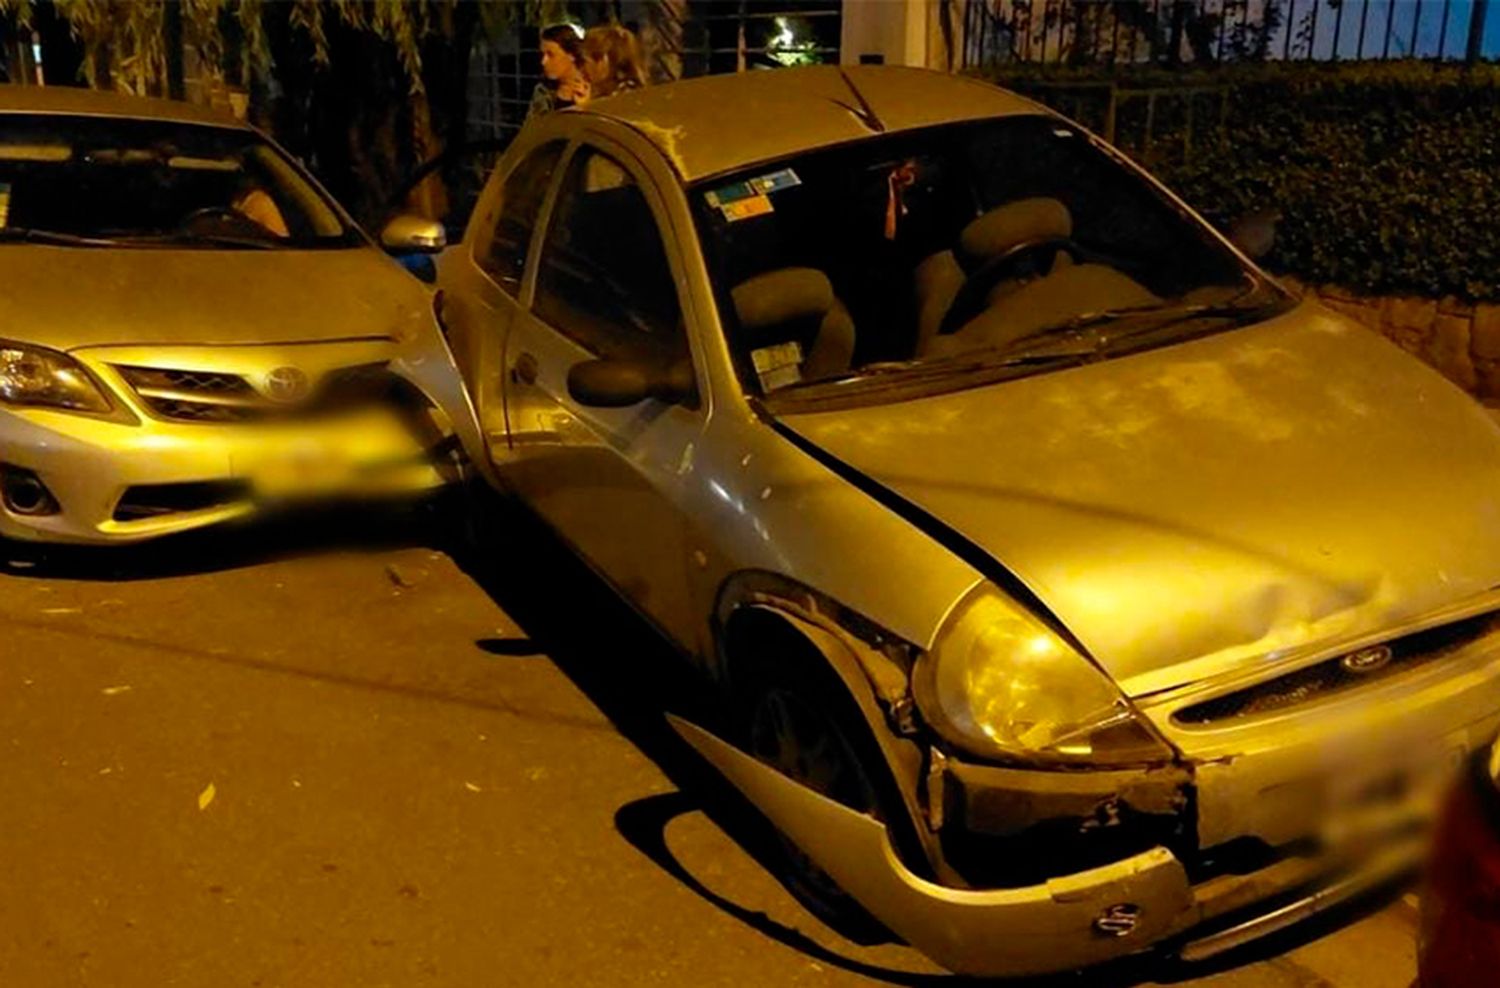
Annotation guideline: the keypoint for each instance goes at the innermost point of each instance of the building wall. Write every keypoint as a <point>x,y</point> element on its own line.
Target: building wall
<point>897,31</point>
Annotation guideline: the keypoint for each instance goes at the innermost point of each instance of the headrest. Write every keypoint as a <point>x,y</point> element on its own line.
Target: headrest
<point>784,295</point>
<point>1015,223</point>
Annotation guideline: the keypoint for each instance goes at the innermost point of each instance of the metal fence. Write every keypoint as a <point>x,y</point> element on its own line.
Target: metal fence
<point>1095,32</point>
<point>717,36</point>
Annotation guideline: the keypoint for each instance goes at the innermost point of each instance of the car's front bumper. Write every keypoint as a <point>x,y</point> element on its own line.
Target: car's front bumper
<point>118,482</point>
<point>1073,921</point>
<point>1156,897</point>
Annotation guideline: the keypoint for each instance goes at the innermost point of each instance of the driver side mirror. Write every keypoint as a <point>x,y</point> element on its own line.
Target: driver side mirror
<point>622,383</point>
<point>408,234</point>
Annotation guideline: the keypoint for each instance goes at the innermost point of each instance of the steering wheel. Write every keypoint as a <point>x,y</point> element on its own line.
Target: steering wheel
<point>1034,257</point>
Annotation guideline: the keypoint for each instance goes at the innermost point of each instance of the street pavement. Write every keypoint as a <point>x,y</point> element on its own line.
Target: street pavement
<point>290,758</point>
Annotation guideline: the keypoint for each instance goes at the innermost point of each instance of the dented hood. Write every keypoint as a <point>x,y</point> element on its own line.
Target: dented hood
<point>1210,504</point>
<point>70,297</point>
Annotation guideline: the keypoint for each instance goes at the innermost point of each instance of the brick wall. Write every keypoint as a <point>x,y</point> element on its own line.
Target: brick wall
<point>1460,340</point>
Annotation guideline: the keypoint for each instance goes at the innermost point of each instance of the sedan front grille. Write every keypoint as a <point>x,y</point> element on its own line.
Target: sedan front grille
<point>211,396</point>
<point>1336,675</point>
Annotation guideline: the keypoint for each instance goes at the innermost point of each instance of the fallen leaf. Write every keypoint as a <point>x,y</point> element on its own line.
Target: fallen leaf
<point>472,787</point>
<point>114,690</point>
<point>206,796</point>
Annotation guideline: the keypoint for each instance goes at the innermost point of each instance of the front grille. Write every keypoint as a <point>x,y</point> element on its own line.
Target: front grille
<point>210,396</point>
<point>1333,676</point>
<point>155,500</point>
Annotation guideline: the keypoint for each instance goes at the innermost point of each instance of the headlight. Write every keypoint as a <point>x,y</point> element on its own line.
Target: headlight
<point>1001,685</point>
<point>31,375</point>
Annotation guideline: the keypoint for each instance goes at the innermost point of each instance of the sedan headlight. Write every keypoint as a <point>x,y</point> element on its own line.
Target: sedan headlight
<point>33,375</point>
<point>1002,685</point>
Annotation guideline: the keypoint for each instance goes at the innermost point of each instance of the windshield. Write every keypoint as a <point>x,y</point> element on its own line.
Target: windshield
<point>954,251</point>
<point>96,181</point>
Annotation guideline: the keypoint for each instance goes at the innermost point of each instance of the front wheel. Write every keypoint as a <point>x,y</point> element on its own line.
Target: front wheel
<point>808,728</point>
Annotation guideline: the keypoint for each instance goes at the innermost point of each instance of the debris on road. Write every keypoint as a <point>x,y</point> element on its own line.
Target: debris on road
<point>115,690</point>
<point>472,787</point>
<point>206,796</point>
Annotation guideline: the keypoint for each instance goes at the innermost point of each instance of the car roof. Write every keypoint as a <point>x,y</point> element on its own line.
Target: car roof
<point>75,101</point>
<point>715,124</point>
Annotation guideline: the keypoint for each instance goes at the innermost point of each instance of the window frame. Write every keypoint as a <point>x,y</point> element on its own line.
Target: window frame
<point>626,161</point>
<point>489,219</point>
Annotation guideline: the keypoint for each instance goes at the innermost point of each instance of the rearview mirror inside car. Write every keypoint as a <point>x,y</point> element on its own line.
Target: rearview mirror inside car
<point>622,383</point>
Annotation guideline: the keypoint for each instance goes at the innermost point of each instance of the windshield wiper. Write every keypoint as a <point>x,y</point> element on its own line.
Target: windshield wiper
<point>33,235</point>
<point>923,369</point>
<point>1148,317</point>
<point>219,239</point>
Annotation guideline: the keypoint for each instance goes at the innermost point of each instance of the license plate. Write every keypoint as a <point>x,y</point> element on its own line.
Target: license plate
<point>299,469</point>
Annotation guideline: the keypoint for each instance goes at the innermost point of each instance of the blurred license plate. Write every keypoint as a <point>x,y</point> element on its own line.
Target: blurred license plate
<point>298,469</point>
<point>1365,796</point>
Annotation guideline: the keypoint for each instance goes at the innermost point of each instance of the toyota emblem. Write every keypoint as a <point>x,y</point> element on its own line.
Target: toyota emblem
<point>286,384</point>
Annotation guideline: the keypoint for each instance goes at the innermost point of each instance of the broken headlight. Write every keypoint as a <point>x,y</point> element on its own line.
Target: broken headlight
<point>1001,685</point>
<point>33,375</point>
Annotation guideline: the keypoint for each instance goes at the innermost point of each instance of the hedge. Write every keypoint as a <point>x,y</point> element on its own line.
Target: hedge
<point>1386,176</point>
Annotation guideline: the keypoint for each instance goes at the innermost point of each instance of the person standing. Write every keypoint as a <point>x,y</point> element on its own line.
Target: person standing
<point>563,81</point>
<point>612,60</point>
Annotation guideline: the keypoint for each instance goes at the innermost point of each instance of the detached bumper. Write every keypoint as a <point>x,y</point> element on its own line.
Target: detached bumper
<point>1074,921</point>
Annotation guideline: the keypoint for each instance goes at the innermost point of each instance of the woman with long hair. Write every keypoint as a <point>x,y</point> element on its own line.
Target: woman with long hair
<point>563,81</point>
<point>612,60</point>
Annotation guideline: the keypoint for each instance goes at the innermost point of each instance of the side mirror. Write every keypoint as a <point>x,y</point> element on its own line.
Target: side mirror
<point>407,234</point>
<point>622,383</point>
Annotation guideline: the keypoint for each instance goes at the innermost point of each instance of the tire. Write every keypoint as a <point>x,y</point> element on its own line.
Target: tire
<point>796,715</point>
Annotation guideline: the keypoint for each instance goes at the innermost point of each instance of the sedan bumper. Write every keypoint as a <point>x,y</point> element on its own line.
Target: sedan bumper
<point>118,482</point>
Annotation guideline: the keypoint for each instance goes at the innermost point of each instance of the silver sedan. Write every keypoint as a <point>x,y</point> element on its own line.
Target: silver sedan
<point>192,329</point>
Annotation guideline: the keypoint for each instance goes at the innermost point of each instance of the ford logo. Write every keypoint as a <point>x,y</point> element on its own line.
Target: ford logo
<point>1367,660</point>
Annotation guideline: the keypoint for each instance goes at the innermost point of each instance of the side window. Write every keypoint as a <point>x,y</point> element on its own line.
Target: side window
<point>604,279</point>
<point>520,201</point>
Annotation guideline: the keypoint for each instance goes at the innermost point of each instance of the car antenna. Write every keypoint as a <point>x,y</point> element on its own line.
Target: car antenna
<point>864,113</point>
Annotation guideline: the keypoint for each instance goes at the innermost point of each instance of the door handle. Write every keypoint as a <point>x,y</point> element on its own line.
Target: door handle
<point>523,371</point>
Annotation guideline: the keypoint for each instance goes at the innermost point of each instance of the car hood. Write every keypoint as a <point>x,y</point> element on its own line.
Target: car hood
<point>1198,507</point>
<point>70,297</point>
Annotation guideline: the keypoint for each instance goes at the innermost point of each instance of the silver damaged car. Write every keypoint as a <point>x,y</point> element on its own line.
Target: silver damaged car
<point>1073,588</point>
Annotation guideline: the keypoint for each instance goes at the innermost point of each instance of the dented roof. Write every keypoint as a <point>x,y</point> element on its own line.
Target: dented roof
<point>721,123</point>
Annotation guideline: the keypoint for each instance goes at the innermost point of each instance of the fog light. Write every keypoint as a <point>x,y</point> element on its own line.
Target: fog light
<point>24,493</point>
<point>1118,920</point>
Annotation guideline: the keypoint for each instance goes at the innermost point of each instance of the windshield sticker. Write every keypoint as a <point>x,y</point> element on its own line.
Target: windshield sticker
<point>779,365</point>
<point>761,186</point>
<point>4,203</point>
<point>775,182</point>
<point>744,209</point>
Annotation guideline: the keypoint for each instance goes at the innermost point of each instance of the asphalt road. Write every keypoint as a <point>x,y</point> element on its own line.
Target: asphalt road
<point>278,759</point>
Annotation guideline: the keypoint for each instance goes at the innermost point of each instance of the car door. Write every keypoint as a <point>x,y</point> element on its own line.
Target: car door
<point>605,287</point>
<point>481,280</point>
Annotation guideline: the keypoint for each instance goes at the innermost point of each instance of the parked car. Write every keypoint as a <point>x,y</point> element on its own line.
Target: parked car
<point>1073,589</point>
<point>1460,931</point>
<point>192,327</point>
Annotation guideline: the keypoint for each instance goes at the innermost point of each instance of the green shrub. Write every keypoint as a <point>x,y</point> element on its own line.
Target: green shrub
<point>1386,175</point>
